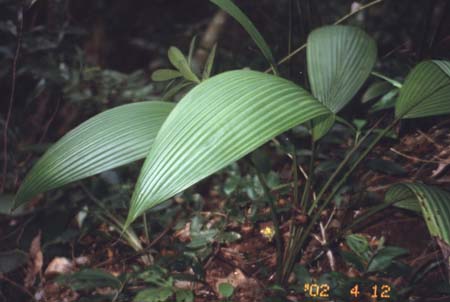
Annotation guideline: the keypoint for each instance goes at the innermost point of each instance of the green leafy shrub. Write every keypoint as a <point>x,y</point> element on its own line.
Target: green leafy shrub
<point>229,115</point>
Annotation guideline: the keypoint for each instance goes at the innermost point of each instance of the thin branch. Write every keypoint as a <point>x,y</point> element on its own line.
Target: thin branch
<point>342,180</point>
<point>130,236</point>
<point>419,159</point>
<point>342,165</point>
<point>18,286</point>
<point>141,252</point>
<point>349,15</point>
<point>305,232</point>
<point>46,127</point>
<point>146,230</point>
<point>361,8</point>
<point>12,94</point>
<point>428,138</point>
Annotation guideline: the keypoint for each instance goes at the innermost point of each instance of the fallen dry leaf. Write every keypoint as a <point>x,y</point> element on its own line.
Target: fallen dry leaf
<point>35,262</point>
<point>184,234</point>
<point>58,266</point>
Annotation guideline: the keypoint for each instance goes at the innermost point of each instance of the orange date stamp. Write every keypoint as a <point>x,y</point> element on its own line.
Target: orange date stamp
<point>321,291</point>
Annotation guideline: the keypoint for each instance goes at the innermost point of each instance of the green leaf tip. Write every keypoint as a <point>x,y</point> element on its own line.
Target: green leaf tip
<point>180,62</point>
<point>110,139</point>
<point>426,91</point>
<point>239,16</point>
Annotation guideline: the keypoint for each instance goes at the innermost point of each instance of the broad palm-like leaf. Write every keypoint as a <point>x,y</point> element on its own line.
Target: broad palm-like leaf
<point>434,202</point>
<point>110,139</point>
<point>340,59</point>
<point>426,91</point>
<point>216,123</point>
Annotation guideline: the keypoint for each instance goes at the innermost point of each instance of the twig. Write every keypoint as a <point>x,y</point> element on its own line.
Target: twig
<point>46,127</point>
<point>307,231</point>
<point>212,257</point>
<point>146,230</point>
<point>428,138</point>
<point>342,165</point>
<point>330,218</point>
<point>129,234</point>
<point>52,118</point>
<point>296,51</point>
<point>12,94</point>
<point>361,8</point>
<point>295,201</point>
<point>305,175</point>
<point>143,251</point>
<point>208,214</point>
<point>309,179</point>
<point>419,159</point>
<point>323,242</point>
<point>15,284</point>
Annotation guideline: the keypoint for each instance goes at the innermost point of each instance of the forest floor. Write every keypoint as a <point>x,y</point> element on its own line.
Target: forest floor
<point>240,263</point>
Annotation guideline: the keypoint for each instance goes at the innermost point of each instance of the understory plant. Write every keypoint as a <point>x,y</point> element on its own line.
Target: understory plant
<point>227,116</point>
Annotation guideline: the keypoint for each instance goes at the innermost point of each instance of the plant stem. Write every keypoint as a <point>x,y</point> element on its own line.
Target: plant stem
<point>368,214</point>
<point>295,204</point>
<point>393,82</point>
<point>130,236</point>
<point>146,232</point>
<point>295,230</point>
<point>309,180</point>
<point>276,224</point>
<point>341,166</point>
<point>295,175</point>
<point>360,219</point>
<point>294,248</point>
<point>361,8</point>
<point>282,186</point>
<point>342,181</point>
<point>304,232</point>
<point>290,22</point>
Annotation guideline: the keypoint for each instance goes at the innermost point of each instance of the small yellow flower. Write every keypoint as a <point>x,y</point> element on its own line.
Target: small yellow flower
<point>268,232</point>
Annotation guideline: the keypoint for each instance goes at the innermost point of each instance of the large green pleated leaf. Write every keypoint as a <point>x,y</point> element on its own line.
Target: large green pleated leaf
<point>216,123</point>
<point>340,59</point>
<point>238,15</point>
<point>110,139</point>
<point>434,202</point>
<point>426,91</point>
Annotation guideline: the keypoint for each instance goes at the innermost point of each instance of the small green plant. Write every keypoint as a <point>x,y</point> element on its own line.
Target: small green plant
<point>369,259</point>
<point>227,116</point>
<point>158,285</point>
<point>226,290</point>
